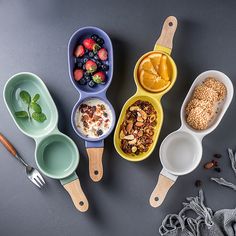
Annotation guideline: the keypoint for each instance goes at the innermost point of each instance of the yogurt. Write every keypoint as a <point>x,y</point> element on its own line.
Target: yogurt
<point>93,118</point>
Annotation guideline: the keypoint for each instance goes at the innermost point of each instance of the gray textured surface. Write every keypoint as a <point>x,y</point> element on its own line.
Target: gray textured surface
<point>34,37</point>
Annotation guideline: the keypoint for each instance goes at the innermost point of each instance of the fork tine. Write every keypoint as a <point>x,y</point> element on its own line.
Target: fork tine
<point>36,177</point>
<point>41,178</point>
<point>35,182</point>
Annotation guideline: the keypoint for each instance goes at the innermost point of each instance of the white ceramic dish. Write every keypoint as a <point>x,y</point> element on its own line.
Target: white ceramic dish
<point>181,151</point>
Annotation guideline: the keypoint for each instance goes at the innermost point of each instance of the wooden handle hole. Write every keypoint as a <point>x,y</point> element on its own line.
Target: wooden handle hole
<point>156,199</point>
<point>96,172</point>
<point>170,23</point>
<point>81,203</point>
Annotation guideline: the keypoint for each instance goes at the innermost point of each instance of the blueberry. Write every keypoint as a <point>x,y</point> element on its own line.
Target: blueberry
<point>100,41</point>
<point>85,60</point>
<point>99,132</point>
<point>96,57</point>
<point>94,37</point>
<point>79,65</point>
<point>86,51</point>
<point>91,54</point>
<point>84,67</point>
<point>99,64</point>
<point>82,81</point>
<point>77,59</point>
<point>91,83</point>
<point>87,78</point>
<point>104,67</point>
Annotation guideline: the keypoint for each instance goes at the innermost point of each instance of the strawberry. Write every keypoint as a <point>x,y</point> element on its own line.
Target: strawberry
<point>102,54</point>
<point>99,77</point>
<point>78,74</point>
<point>79,51</point>
<point>90,44</point>
<point>91,66</point>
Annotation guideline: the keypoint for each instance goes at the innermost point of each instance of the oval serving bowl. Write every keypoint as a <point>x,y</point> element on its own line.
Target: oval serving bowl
<point>163,46</point>
<point>94,146</point>
<point>56,154</point>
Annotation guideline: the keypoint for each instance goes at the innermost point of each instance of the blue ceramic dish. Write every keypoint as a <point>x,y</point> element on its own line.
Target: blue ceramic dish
<point>94,146</point>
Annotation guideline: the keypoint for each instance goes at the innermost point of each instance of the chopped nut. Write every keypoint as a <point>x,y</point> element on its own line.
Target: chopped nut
<point>139,119</point>
<point>139,124</point>
<point>129,137</point>
<point>134,108</point>
<point>134,149</point>
<point>143,114</point>
<point>129,127</point>
<point>122,135</point>
<point>140,133</point>
<point>132,142</point>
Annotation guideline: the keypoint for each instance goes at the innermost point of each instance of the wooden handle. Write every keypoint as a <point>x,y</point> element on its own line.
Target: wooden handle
<point>77,195</point>
<point>8,145</point>
<point>160,191</point>
<point>95,163</point>
<point>167,33</point>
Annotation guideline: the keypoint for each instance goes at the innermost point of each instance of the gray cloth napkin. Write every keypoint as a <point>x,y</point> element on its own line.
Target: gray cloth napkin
<point>195,219</point>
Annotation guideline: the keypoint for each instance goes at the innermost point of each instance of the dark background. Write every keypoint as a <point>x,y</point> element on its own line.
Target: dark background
<point>34,37</point>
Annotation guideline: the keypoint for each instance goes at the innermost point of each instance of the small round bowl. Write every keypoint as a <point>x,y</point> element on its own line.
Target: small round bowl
<point>57,156</point>
<point>77,105</point>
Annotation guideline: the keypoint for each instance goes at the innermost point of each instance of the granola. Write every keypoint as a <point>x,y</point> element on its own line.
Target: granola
<point>137,129</point>
<point>93,118</point>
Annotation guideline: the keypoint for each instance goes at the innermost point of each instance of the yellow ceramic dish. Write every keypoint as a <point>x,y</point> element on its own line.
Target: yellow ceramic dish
<point>163,46</point>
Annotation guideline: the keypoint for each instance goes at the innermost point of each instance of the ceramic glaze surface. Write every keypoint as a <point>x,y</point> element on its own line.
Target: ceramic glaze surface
<point>32,84</point>
<point>180,152</point>
<point>56,156</point>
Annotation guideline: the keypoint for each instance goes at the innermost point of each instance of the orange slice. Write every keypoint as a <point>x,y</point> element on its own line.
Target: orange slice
<point>153,83</point>
<point>147,65</point>
<point>163,68</point>
<point>155,60</point>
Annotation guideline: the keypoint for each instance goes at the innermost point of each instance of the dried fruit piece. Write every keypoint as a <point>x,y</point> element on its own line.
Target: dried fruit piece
<point>198,183</point>
<point>217,155</point>
<point>217,169</point>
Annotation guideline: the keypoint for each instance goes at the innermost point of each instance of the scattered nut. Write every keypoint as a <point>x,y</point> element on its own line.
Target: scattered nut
<point>209,165</point>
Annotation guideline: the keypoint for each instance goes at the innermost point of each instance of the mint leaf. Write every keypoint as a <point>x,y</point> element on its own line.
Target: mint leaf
<point>36,97</point>
<point>21,114</point>
<point>25,96</point>
<point>36,107</point>
<point>40,117</point>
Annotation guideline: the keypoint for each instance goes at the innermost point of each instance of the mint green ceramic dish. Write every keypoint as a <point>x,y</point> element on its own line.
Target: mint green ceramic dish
<point>56,154</point>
